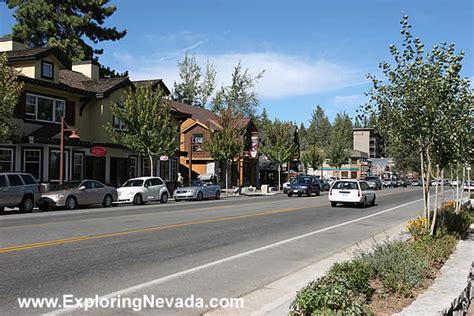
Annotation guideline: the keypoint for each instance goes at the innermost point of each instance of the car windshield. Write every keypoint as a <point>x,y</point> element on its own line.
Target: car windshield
<point>346,185</point>
<point>68,185</point>
<point>302,180</point>
<point>133,183</point>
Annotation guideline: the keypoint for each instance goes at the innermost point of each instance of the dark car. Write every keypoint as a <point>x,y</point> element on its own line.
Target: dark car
<point>374,182</point>
<point>305,185</point>
<point>324,185</point>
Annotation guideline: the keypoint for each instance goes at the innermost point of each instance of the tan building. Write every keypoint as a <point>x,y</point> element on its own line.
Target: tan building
<point>368,140</point>
<point>357,168</point>
<point>55,87</point>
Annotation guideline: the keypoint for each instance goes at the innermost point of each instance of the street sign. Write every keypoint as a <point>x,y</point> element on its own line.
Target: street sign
<point>98,151</point>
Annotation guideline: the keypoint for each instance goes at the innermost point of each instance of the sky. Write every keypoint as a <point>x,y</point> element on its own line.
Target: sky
<point>312,52</point>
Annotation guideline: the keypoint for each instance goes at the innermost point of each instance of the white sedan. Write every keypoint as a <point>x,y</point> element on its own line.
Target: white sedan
<point>141,190</point>
<point>351,191</point>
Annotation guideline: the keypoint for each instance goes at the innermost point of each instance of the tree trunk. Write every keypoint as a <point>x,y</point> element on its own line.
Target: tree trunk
<point>461,192</point>
<point>457,187</point>
<point>435,212</point>
<point>423,183</point>
<point>152,169</point>
<point>279,177</point>
<point>226,176</point>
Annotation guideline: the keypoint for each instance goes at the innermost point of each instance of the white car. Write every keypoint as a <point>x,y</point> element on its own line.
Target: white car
<point>455,183</point>
<point>351,191</point>
<point>142,190</point>
<point>468,184</point>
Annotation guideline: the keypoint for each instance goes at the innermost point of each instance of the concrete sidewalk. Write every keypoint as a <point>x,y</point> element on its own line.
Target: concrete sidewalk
<point>453,285</point>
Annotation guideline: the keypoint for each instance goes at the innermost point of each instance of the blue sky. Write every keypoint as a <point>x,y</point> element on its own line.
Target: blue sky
<point>313,52</point>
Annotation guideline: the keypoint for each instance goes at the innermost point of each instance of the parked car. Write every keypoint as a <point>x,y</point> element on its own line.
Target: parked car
<point>468,184</point>
<point>351,191</point>
<point>305,185</point>
<point>374,182</point>
<point>331,180</point>
<point>286,185</point>
<point>389,183</point>
<point>198,190</point>
<point>142,190</point>
<point>416,182</point>
<point>73,194</point>
<point>18,189</point>
<point>454,183</point>
<point>402,182</point>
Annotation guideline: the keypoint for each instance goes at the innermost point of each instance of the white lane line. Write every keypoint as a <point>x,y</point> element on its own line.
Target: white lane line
<point>224,260</point>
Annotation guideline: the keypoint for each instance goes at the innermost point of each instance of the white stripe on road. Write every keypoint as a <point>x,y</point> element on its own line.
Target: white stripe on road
<point>227,259</point>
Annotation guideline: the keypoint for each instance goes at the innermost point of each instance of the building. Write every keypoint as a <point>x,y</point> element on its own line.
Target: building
<point>368,140</point>
<point>54,88</point>
<point>198,162</point>
<point>357,168</point>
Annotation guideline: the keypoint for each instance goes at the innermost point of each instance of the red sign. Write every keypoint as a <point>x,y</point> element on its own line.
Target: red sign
<point>98,151</point>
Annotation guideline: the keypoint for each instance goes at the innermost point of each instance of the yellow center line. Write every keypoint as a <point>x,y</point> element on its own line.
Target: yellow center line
<point>148,229</point>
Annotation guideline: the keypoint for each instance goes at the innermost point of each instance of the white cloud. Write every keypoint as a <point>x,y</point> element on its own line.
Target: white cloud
<point>284,75</point>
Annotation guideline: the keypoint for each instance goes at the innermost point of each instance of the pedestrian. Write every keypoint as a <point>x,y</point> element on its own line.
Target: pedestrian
<point>180,180</point>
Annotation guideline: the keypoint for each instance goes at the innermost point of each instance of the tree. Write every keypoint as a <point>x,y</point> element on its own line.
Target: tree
<point>10,90</point>
<point>423,105</point>
<point>303,137</point>
<point>279,145</point>
<point>338,155</point>
<point>240,95</point>
<point>313,157</point>
<point>342,130</point>
<point>64,24</point>
<point>192,89</point>
<point>226,142</point>
<point>319,130</point>
<point>149,128</point>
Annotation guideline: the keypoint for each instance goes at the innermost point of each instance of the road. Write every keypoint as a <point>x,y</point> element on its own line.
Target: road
<point>220,249</point>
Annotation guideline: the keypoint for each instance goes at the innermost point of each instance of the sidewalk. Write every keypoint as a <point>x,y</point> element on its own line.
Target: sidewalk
<point>453,285</point>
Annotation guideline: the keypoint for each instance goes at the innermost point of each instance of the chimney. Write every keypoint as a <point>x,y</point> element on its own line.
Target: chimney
<point>9,43</point>
<point>87,68</point>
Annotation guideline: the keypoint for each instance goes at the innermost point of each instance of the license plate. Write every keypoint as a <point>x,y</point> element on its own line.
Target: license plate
<point>345,194</point>
<point>295,191</point>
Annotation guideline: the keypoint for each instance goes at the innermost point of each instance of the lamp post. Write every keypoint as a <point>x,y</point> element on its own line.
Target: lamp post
<point>65,128</point>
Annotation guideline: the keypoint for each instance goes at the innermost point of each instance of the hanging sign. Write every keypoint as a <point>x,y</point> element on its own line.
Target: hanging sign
<point>98,151</point>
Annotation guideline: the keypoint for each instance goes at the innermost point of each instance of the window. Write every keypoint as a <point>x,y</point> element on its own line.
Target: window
<point>3,182</point>
<point>198,140</point>
<point>165,170</point>
<point>28,179</point>
<point>6,159</point>
<point>47,70</point>
<point>32,162</point>
<point>14,180</point>
<point>155,182</point>
<point>87,184</point>
<point>46,109</point>
<point>148,183</point>
<point>118,124</point>
<point>54,165</point>
<point>132,167</point>
<point>97,185</point>
<point>78,166</point>
<point>364,186</point>
<point>146,167</point>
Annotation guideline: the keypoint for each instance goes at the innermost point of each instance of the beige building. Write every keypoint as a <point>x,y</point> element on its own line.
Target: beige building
<point>368,140</point>
<point>356,168</point>
<point>54,87</point>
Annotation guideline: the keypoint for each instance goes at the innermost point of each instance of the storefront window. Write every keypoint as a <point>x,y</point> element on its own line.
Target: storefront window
<point>78,166</point>
<point>54,165</point>
<point>132,167</point>
<point>32,162</point>
<point>6,159</point>
<point>165,170</point>
<point>146,167</point>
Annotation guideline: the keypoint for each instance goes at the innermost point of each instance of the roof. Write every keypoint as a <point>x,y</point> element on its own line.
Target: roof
<point>37,53</point>
<point>153,83</point>
<point>80,81</point>
<point>204,116</point>
<point>359,154</point>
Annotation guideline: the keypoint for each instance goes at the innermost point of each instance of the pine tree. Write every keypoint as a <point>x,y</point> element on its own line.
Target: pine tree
<point>64,24</point>
<point>342,131</point>
<point>149,128</point>
<point>10,90</point>
<point>319,130</point>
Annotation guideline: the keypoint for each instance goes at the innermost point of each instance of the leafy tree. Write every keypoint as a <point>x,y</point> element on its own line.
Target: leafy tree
<point>338,155</point>
<point>226,142</point>
<point>149,128</point>
<point>319,130</point>
<point>313,157</point>
<point>423,105</point>
<point>192,89</point>
<point>240,95</point>
<point>64,24</point>
<point>263,124</point>
<point>342,130</point>
<point>279,145</point>
<point>10,90</point>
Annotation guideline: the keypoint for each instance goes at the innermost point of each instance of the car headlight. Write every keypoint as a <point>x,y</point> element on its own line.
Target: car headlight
<point>191,191</point>
<point>56,197</point>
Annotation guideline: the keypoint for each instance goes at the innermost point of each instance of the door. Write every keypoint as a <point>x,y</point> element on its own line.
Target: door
<point>6,197</point>
<point>118,171</point>
<point>86,196</point>
<point>95,168</point>
<point>16,188</point>
<point>157,186</point>
<point>366,191</point>
<point>148,190</point>
<point>98,193</point>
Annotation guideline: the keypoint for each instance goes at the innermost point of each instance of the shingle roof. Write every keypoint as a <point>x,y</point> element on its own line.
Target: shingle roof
<point>197,113</point>
<point>80,81</point>
<point>36,53</point>
<point>153,83</point>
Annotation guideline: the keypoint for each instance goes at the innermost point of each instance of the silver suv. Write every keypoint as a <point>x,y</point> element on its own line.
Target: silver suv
<point>18,189</point>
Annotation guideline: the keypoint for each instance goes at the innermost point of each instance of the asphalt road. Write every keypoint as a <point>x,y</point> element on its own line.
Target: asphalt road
<point>220,249</point>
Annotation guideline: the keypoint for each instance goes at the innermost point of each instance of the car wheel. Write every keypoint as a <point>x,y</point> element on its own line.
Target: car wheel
<point>137,199</point>
<point>71,203</point>
<point>2,210</point>
<point>373,202</point>
<point>164,198</point>
<point>27,205</point>
<point>299,194</point>
<point>364,203</point>
<point>108,201</point>
<point>333,204</point>
<point>199,196</point>
<point>290,195</point>
<point>308,193</point>
<point>218,195</point>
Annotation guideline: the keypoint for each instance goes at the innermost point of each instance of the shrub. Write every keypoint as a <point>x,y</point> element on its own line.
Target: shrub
<point>450,222</point>
<point>436,250</point>
<point>398,266</point>
<point>328,295</point>
<point>356,275</point>
<point>417,228</point>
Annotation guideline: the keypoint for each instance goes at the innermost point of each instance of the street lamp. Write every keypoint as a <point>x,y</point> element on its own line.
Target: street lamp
<point>65,128</point>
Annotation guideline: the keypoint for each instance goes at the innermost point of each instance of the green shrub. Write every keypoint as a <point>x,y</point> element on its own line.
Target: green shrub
<point>398,266</point>
<point>356,275</point>
<point>450,222</point>
<point>328,295</point>
<point>436,250</point>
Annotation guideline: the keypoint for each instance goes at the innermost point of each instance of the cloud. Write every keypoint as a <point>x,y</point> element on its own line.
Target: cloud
<point>180,52</point>
<point>349,100</point>
<point>284,76</point>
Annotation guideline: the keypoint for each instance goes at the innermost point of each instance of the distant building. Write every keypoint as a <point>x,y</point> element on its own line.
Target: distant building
<point>368,140</point>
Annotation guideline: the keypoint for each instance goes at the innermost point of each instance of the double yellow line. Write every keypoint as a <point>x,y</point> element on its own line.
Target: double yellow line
<point>148,229</point>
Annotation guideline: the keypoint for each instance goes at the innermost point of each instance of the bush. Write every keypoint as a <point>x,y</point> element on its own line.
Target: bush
<point>436,250</point>
<point>328,295</point>
<point>450,222</point>
<point>356,275</point>
<point>417,228</point>
<point>398,266</point>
